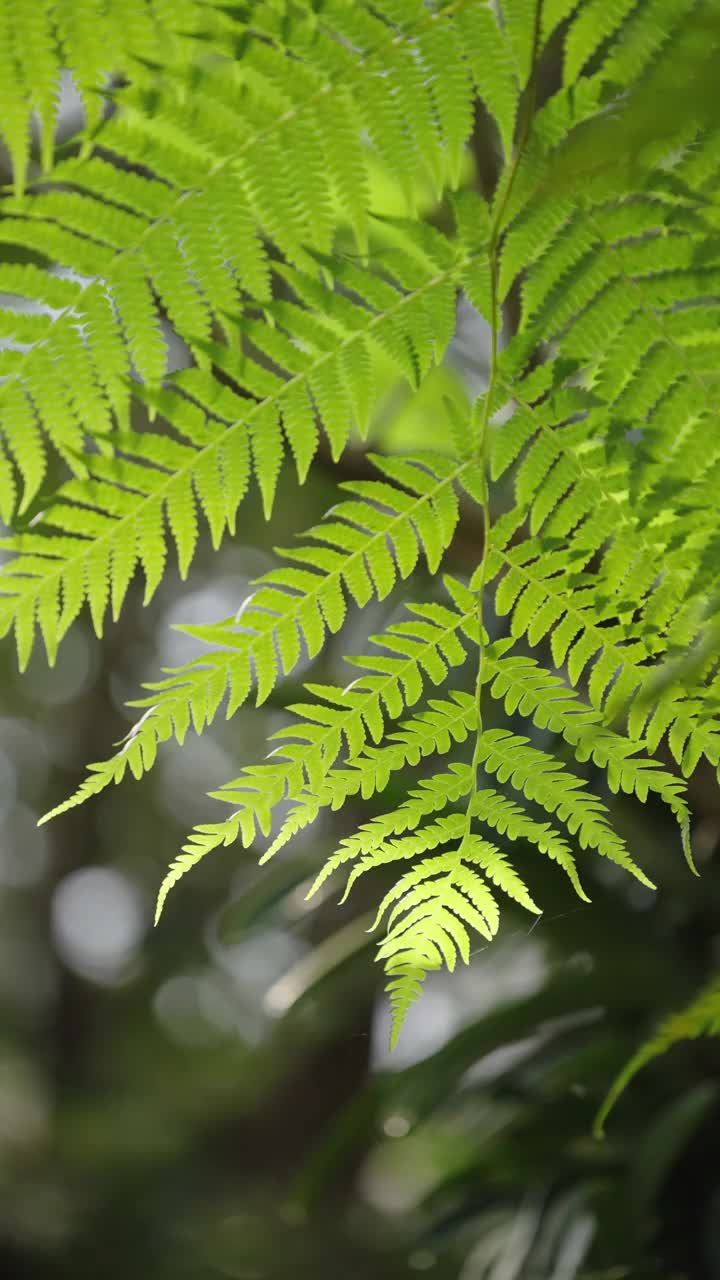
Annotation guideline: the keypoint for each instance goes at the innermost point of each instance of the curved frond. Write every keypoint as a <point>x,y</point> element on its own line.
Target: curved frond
<point>358,552</point>
<point>222,431</point>
<point>282,202</point>
<point>168,232</point>
<point>701,1018</point>
<point>259,789</point>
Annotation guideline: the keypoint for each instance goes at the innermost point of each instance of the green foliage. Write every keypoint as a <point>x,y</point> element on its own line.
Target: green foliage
<point>700,1018</point>
<point>228,202</point>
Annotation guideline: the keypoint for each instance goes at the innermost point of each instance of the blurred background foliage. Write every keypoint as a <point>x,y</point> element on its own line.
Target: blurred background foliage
<point>215,1098</point>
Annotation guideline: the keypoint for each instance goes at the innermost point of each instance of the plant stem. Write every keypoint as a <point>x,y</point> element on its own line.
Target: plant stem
<point>495,320</point>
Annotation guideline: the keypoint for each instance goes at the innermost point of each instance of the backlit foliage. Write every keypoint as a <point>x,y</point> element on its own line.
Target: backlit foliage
<point>223,189</point>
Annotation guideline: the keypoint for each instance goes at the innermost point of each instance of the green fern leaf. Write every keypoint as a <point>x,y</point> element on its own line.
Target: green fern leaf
<point>204,214</point>
<point>592,26</point>
<point>701,1018</point>
<point>491,60</point>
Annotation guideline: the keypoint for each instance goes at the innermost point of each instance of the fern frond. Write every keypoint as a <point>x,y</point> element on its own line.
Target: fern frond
<point>524,686</point>
<point>407,972</point>
<point>431,797</point>
<point>228,159</point>
<point>356,717</point>
<point>578,495</point>
<point>700,1018</point>
<point>355,554</point>
<point>87,546</point>
<point>220,428</point>
<point>509,818</point>
<point>77,36</point>
<point>592,26</point>
<point>259,789</point>
<point>283,105</point>
<point>491,62</point>
<point>371,844</point>
<point>497,869</point>
<point>191,236</point>
<point>430,909</point>
<point>542,778</point>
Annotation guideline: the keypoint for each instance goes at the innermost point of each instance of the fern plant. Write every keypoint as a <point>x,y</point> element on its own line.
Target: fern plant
<point>224,190</point>
<point>700,1018</point>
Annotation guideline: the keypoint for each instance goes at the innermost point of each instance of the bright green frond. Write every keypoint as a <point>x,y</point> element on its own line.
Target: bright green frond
<point>259,242</point>
<point>261,788</point>
<point>355,554</point>
<point>545,780</point>
<point>432,907</point>
<point>221,430</point>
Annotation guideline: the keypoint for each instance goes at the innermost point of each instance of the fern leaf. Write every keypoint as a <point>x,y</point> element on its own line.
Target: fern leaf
<point>432,906</point>
<point>497,869</point>
<point>543,779</point>
<point>701,1018</point>
<point>524,685</point>
<point>493,67</point>
<point>16,124</point>
<point>594,23</point>
<point>520,17</point>
<point>206,207</point>
<point>211,454</point>
<point>432,796</point>
<point>450,86</point>
<point>137,313</point>
<point>192,242</point>
<point>347,556</point>
<point>446,721</point>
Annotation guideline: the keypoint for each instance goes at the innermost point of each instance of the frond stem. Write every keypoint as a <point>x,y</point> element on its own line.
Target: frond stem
<point>493,262</point>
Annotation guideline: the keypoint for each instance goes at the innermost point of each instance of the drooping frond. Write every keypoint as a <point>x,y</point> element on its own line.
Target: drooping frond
<point>431,797</point>
<point>311,775</point>
<point>86,546</point>
<point>91,40</point>
<point>374,847</point>
<point>524,686</point>
<point>222,432</point>
<point>700,1018</point>
<point>229,197</point>
<point>163,218</point>
<point>543,779</point>
<point>433,731</point>
<point>355,554</point>
<point>430,910</point>
<point>588,575</point>
<point>349,721</point>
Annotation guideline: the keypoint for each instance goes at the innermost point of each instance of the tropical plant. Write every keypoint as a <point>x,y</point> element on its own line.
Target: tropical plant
<point>700,1018</point>
<point>227,191</point>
